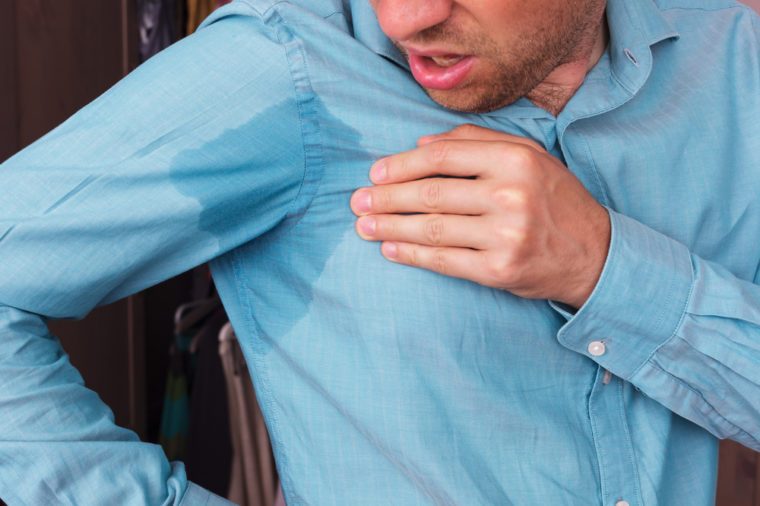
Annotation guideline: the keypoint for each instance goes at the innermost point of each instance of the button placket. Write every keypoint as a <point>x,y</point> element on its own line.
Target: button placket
<point>617,469</point>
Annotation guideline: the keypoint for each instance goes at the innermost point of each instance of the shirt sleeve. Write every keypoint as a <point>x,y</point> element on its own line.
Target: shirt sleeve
<point>196,152</point>
<point>683,330</point>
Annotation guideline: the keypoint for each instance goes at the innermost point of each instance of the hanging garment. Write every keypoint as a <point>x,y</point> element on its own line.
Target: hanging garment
<point>208,455</point>
<point>175,414</point>
<point>254,479</point>
<point>194,416</point>
<point>157,26</point>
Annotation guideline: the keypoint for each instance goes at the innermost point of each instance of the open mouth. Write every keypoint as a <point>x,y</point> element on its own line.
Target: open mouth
<point>441,71</point>
<point>447,60</point>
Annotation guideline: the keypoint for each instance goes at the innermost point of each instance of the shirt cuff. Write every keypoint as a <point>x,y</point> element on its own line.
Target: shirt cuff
<point>195,495</point>
<point>637,303</point>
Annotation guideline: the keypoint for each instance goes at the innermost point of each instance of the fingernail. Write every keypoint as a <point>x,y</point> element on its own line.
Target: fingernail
<point>363,201</point>
<point>368,225</point>
<point>379,171</point>
<point>390,249</point>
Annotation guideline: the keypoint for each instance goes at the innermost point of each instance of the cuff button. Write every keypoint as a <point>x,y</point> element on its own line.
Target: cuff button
<point>597,348</point>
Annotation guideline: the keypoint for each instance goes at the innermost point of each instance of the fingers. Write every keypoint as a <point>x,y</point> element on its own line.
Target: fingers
<point>454,157</point>
<point>472,132</point>
<point>452,235</point>
<point>431,195</point>
<point>456,262</point>
<point>427,229</point>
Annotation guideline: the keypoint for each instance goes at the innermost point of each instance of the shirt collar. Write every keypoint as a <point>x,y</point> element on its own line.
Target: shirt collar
<point>635,25</point>
<point>367,31</point>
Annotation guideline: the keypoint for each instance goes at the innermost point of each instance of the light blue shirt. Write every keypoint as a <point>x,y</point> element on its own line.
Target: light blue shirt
<point>380,383</point>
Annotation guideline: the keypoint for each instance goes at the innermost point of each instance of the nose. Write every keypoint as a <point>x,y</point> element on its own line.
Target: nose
<point>402,19</point>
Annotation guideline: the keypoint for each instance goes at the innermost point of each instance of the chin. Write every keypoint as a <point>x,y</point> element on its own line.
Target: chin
<point>467,99</point>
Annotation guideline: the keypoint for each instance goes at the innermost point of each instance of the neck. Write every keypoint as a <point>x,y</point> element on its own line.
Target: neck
<point>554,92</point>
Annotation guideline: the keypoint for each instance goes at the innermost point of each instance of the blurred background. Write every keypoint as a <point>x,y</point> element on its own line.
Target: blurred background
<point>164,360</point>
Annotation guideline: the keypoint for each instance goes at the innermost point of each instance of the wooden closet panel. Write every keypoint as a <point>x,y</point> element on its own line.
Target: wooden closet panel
<point>69,52</point>
<point>8,113</point>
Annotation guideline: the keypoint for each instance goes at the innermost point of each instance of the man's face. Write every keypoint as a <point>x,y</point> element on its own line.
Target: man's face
<point>479,55</point>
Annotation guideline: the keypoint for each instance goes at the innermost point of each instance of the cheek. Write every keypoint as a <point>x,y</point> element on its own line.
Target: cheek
<point>509,23</point>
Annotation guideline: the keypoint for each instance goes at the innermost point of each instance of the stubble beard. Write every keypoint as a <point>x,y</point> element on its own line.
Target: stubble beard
<point>506,73</point>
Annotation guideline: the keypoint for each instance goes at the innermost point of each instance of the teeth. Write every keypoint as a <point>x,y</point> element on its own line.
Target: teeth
<point>446,61</point>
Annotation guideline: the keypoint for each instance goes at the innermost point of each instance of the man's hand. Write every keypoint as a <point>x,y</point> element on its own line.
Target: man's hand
<point>509,215</point>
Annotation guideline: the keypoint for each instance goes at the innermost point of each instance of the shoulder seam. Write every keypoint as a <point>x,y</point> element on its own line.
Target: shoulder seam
<point>308,114</point>
<point>277,3</point>
<point>255,9</point>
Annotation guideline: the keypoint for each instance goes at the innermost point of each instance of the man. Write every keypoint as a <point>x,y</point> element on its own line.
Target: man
<point>545,366</point>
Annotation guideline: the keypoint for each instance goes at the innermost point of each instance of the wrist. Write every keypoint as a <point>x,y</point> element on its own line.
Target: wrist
<point>592,261</point>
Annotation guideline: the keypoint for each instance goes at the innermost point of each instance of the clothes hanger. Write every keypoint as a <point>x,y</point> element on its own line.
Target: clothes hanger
<point>191,313</point>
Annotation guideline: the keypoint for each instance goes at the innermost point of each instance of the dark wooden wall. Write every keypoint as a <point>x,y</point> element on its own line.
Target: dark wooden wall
<point>67,52</point>
<point>55,57</point>
<point>9,118</point>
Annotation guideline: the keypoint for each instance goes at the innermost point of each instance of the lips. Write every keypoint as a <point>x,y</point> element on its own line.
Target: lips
<point>438,70</point>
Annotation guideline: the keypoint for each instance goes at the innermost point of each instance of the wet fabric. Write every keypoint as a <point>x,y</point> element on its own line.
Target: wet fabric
<point>381,383</point>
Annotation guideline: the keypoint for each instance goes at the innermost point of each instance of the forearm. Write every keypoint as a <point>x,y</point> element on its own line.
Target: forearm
<point>58,441</point>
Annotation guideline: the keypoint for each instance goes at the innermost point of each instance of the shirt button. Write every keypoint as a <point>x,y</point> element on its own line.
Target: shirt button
<point>597,349</point>
<point>622,503</point>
